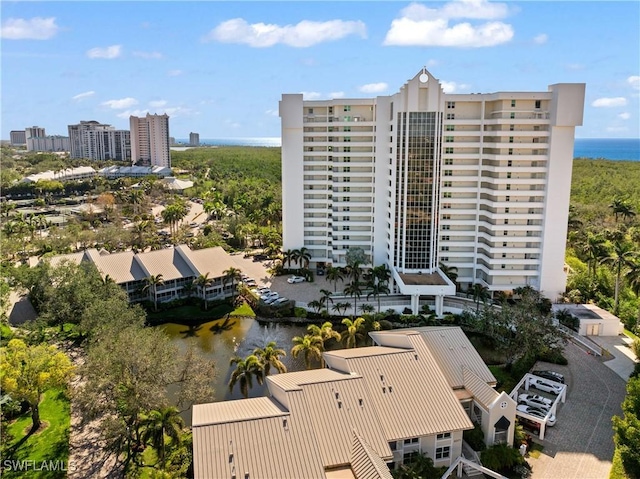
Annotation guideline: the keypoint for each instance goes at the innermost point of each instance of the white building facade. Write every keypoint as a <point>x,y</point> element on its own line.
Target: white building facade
<point>97,141</point>
<point>150,140</point>
<point>479,182</point>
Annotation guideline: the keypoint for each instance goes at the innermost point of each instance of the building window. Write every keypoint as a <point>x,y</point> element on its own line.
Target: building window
<point>413,440</point>
<point>347,149</point>
<point>451,116</point>
<point>446,217</point>
<point>409,457</point>
<point>451,105</point>
<point>330,109</point>
<point>448,184</point>
<point>443,435</point>
<point>538,104</point>
<point>346,169</point>
<point>512,115</point>
<point>347,108</point>
<point>445,238</point>
<point>510,163</point>
<point>513,103</point>
<point>447,194</point>
<point>508,174</point>
<point>448,172</point>
<point>448,151</point>
<point>443,452</point>
<point>508,186</point>
<point>446,227</point>
<point>450,128</point>
<point>393,445</point>
<point>448,161</point>
<point>446,206</point>
<point>508,198</point>
<point>512,127</point>
<point>448,139</point>
<point>510,151</point>
<point>347,128</point>
<point>510,139</point>
<point>347,139</point>
<point>346,228</point>
<point>310,111</point>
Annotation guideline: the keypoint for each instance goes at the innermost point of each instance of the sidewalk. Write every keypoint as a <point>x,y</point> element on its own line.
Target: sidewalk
<point>619,347</point>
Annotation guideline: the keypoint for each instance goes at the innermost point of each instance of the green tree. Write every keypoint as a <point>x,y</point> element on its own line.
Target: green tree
<point>480,294</point>
<point>246,369</point>
<point>450,272</point>
<point>376,289</point>
<point>26,372</point>
<point>620,257</point>
<point>354,289</point>
<point>203,282</point>
<point>354,332</point>
<point>151,284</point>
<point>334,275</point>
<point>231,276</point>
<point>287,257</point>
<point>310,346</point>
<point>594,250</point>
<point>627,429</point>
<point>270,356</point>
<point>325,332</point>
<point>159,424</point>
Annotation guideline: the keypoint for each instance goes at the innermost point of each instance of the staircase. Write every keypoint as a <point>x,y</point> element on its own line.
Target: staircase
<point>470,455</point>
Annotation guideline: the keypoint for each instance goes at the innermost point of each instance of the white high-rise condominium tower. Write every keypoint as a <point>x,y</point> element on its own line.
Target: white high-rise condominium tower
<point>97,141</point>
<point>150,140</point>
<point>479,182</point>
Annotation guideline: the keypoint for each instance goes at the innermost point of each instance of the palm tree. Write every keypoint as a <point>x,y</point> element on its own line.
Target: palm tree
<point>326,298</point>
<point>353,333</point>
<point>325,332</point>
<point>270,356</point>
<point>287,256</point>
<point>316,305</point>
<point>620,257</point>
<point>231,275</point>
<point>376,289</point>
<point>354,271</point>
<point>310,346</point>
<point>480,294</point>
<point>594,250</point>
<point>160,423</point>
<point>381,273</point>
<point>304,256</point>
<point>203,282</point>
<point>334,275</point>
<point>367,308</point>
<point>633,276</point>
<point>450,272</point>
<point>354,290</point>
<point>338,307</point>
<point>617,205</point>
<point>246,370</point>
<point>151,284</point>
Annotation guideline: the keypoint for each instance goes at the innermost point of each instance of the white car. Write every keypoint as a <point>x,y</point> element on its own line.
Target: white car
<point>261,290</point>
<point>539,413</point>
<point>535,400</point>
<point>280,302</point>
<point>296,279</point>
<point>269,296</point>
<point>545,386</point>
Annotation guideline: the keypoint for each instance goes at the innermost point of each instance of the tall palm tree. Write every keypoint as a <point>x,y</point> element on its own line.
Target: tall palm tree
<point>617,205</point>
<point>326,298</point>
<point>620,257</point>
<point>304,256</point>
<point>287,256</point>
<point>270,356</point>
<point>354,290</point>
<point>480,294</point>
<point>203,282</point>
<point>633,276</point>
<point>594,250</point>
<point>231,275</point>
<point>160,423</point>
<point>381,273</point>
<point>376,289</point>
<point>450,272</point>
<point>334,275</point>
<point>353,333</point>
<point>353,271</point>
<point>315,305</point>
<point>309,346</point>
<point>325,332</point>
<point>246,369</point>
<point>341,307</point>
<point>151,284</point>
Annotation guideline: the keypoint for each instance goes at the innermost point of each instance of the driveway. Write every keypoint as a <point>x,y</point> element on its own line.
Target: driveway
<point>580,445</point>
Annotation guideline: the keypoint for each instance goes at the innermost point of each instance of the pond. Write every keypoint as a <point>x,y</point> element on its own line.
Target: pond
<point>222,339</point>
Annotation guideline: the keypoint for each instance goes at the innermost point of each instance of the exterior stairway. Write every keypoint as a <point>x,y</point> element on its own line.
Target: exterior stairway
<point>471,455</point>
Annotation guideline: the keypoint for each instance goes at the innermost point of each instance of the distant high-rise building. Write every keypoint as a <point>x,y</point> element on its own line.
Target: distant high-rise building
<point>97,141</point>
<point>172,141</point>
<point>48,143</point>
<point>194,139</point>
<point>479,182</point>
<point>150,140</point>
<point>34,132</point>
<point>18,137</point>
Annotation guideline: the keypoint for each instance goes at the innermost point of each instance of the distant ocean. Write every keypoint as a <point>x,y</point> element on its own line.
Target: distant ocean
<point>608,148</point>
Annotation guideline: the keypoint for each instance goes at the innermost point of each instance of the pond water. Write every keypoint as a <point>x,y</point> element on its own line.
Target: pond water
<point>222,339</point>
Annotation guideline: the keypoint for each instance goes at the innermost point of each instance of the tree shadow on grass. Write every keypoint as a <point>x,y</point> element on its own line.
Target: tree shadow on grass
<point>192,331</point>
<point>226,325</point>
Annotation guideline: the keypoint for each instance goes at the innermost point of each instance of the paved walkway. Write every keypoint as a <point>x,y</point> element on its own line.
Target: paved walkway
<point>580,445</point>
<point>624,360</point>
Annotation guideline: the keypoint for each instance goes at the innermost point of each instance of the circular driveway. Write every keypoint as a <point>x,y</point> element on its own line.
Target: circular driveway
<point>580,445</point>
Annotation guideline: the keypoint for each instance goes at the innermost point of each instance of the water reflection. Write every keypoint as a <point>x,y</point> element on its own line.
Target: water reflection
<point>222,339</point>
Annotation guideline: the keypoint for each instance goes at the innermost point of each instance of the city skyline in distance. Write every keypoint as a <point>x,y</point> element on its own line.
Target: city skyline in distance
<point>220,68</point>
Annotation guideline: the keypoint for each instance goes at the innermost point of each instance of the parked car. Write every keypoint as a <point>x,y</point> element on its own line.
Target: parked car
<point>539,413</point>
<point>296,279</point>
<point>545,386</point>
<point>535,400</point>
<point>529,424</point>
<point>251,283</point>
<point>272,295</point>
<point>260,257</point>
<point>261,290</point>
<point>280,302</point>
<point>550,375</point>
<point>193,224</point>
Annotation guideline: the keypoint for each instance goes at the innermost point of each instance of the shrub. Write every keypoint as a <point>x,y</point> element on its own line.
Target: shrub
<point>501,458</point>
<point>475,438</point>
<point>385,325</point>
<point>300,312</point>
<point>553,356</point>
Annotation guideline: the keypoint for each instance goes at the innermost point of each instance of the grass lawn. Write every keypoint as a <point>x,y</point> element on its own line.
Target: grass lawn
<point>536,450</point>
<point>50,444</point>
<point>189,313</point>
<point>243,310</point>
<point>506,382</point>
<point>629,334</point>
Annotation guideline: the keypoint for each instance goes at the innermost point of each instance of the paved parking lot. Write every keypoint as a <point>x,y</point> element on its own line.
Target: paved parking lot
<point>580,445</point>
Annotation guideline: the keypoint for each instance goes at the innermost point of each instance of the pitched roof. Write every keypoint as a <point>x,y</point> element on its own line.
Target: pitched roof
<point>484,394</point>
<point>451,349</point>
<point>278,446</point>
<point>401,380</point>
<point>168,262</point>
<point>210,260</point>
<point>365,463</point>
<point>121,267</point>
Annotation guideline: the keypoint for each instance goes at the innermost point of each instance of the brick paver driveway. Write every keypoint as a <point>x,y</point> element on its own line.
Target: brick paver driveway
<point>581,445</point>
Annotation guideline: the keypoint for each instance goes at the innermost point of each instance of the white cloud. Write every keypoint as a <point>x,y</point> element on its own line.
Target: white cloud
<point>624,116</point>
<point>148,55</point>
<point>128,113</point>
<point>634,81</point>
<point>83,96</point>
<point>304,34</point>
<point>271,112</point>
<point>575,66</point>
<point>617,129</point>
<point>374,87</point>
<point>36,28</point>
<point>311,95</point>
<point>609,102</point>
<point>157,103</point>
<point>113,51</point>
<point>174,73</point>
<point>540,39</point>
<point>121,104</point>
<point>453,87</point>
<point>337,94</point>
<point>419,25</point>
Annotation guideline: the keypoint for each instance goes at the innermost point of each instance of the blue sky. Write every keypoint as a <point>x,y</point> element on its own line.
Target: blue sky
<point>219,68</point>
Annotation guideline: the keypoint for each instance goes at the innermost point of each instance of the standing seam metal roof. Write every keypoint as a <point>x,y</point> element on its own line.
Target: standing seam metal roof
<point>365,463</point>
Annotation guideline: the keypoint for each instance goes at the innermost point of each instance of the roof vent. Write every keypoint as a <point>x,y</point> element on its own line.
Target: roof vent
<point>415,357</point>
<point>246,475</point>
<point>284,423</point>
<point>339,404</point>
<point>360,401</point>
<point>390,389</point>
<point>230,458</point>
<point>337,395</point>
<point>382,377</point>
<point>384,390</point>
